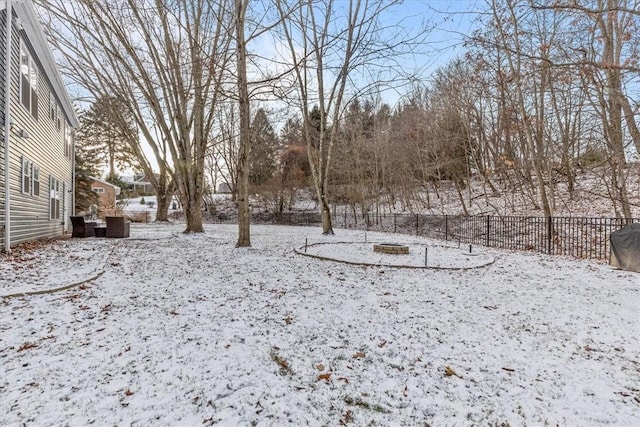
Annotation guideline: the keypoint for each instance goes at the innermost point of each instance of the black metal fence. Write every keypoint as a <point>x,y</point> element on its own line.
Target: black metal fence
<point>284,218</point>
<point>573,236</point>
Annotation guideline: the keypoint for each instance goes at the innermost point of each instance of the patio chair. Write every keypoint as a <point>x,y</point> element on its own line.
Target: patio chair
<point>82,228</point>
<point>117,227</point>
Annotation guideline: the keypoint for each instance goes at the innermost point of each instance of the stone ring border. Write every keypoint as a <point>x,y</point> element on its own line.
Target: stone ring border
<point>300,251</point>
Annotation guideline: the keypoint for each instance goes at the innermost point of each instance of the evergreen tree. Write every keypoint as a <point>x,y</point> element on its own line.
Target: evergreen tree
<point>105,132</point>
<point>85,167</point>
<point>263,149</point>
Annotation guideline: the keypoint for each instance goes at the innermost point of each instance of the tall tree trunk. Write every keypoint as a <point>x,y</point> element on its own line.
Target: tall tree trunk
<point>193,216</point>
<point>162,211</point>
<point>327,223</point>
<point>611,55</point>
<point>244,217</point>
<point>164,193</point>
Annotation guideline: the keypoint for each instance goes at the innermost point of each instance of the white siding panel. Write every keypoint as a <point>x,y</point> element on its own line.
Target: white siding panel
<point>45,148</point>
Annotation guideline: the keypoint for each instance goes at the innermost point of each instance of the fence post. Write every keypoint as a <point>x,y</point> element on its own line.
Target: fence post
<point>446,227</point>
<point>488,227</point>
<point>345,217</point>
<point>549,231</point>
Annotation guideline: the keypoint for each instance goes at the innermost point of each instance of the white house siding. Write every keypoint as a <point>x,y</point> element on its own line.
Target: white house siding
<point>30,217</point>
<point>3,21</point>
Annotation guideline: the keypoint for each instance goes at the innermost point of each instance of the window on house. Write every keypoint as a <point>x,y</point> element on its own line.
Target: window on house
<point>54,198</point>
<point>68,142</point>
<point>58,120</point>
<point>97,190</point>
<point>36,180</point>
<point>26,175</point>
<point>53,110</point>
<point>28,81</point>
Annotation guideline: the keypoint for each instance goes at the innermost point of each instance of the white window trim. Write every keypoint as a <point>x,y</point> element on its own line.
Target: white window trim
<point>35,178</point>
<point>68,142</point>
<point>26,172</point>
<point>98,190</point>
<point>53,107</point>
<point>54,198</point>
<point>32,76</point>
<point>23,52</point>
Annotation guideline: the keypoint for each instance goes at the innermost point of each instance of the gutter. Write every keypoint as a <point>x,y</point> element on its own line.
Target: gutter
<point>7,128</point>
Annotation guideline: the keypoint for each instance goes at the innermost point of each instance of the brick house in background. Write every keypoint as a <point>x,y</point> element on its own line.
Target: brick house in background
<point>37,124</point>
<point>108,195</point>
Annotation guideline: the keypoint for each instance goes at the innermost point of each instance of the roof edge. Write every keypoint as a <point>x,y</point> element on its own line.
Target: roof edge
<point>35,33</point>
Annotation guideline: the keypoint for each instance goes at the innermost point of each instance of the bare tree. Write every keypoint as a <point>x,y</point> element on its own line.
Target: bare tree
<point>606,55</point>
<point>244,215</point>
<point>222,156</point>
<point>327,42</point>
<point>166,60</point>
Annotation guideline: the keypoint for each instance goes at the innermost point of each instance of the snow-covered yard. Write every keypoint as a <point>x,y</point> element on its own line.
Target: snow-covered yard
<point>180,329</point>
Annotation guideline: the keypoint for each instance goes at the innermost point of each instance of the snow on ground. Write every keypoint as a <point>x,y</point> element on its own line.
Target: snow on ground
<point>189,330</point>
<point>62,263</point>
<point>135,207</point>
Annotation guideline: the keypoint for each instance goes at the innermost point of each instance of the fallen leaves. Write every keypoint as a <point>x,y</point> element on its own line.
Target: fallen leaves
<point>325,377</point>
<point>320,367</point>
<point>449,372</point>
<point>347,418</point>
<point>72,297</point>
<point>27,345</point>
<point>128,392</point>
<point>281,362</point>
<point>382,343</point>
<point>358,355</point>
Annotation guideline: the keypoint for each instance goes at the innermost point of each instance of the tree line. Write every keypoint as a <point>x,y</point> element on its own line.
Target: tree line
<point>543,90</point>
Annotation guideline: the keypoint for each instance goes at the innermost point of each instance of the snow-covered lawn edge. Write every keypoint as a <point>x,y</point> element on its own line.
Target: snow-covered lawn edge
<point>189,330</point>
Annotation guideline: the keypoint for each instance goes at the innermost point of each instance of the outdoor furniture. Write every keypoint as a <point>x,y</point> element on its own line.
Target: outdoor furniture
<point>101,231</point>
<point>117,227</point>
<point>625,248</point>
<point>82,228</point>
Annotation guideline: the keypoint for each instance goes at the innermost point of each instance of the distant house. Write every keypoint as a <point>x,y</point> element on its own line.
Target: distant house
<point>36,151</point>
<point>139,183</point>
<point>107,196</point>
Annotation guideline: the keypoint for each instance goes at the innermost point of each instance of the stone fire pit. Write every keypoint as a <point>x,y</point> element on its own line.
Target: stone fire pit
<point>391,248</point>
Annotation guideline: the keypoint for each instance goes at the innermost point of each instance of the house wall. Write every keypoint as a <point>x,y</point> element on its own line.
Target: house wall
<point>107,199</point>
<point>3,54</point>
<point>30,214</point>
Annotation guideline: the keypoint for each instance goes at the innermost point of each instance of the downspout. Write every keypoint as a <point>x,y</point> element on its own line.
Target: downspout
<point>7,129</point>
<point>73,176</point>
